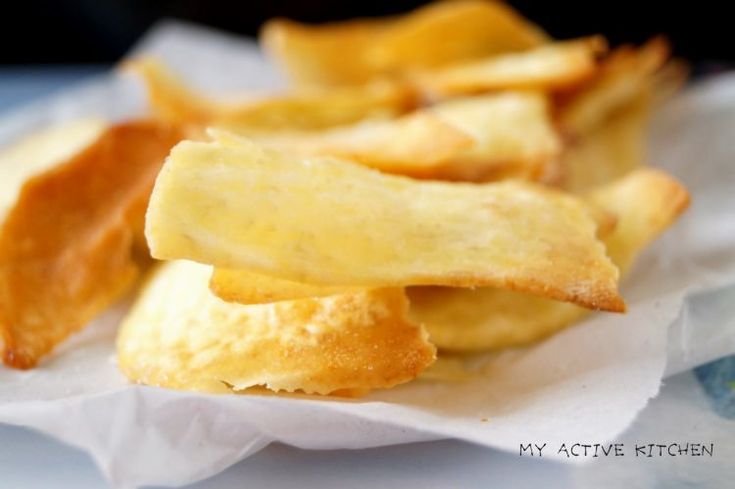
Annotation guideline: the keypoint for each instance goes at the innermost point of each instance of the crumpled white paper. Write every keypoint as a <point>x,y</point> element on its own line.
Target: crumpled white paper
<point>586,384</point>
<point>682,413</point>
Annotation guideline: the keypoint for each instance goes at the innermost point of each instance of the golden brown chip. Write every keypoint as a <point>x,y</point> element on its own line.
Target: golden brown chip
<point>325,221</point>
<point>646,202</point>
<point>246,287</point>
<point>514,135</point>
<point>554,66</point>
<point>179,335</point>
<point>669,79</point>
<point>171,100</point>
<point>67,242</point>
<point>356,51</point>
<point>622,77</point>
<point>414,145</point>
<point>486,138</point>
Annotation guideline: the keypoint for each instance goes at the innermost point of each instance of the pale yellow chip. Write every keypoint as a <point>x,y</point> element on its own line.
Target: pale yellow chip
<point>612,149</point>
<point>325,221</point>
<point>487,318</point>
<point>514,135</point>
<point>621,78</point>
<point>415,144</point>
<point>554,66</point>
<point>485,138</point>
<point>171,100</point>
<point>179,335</point>
<point>246,287</point>
<point>646,202</point>
<point>356,51</point>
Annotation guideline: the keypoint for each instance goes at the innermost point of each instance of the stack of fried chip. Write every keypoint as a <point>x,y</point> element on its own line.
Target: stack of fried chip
<point>408,194</point>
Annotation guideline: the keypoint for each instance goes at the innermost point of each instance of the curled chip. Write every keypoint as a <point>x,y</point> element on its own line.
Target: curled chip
<point>179,335</point>
<point>622,77</point>
<point>669,79</point>
<point>69,237</point>
<point>325,221</point>
<point>646,202</point>
<point>555,66</point>
<point>415,144</point>
<point>171,100</point>
<point>356,51</point>
<point>513,132</point>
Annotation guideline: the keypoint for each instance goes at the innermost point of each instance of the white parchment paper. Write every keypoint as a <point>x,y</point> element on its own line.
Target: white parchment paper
<point>586,384</point>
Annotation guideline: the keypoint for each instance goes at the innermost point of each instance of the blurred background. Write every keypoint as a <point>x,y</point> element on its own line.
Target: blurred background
<point>100,31</point>
<point>65,40</point>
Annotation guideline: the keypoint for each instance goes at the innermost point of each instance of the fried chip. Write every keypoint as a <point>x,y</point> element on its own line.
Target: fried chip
<point>491,137</point>
<point>40,152</point>
<point>246,287</point>
<point>622,77</point>
<point>669,79</point>
<point>68,239</point>
<point>646,202</point>
<point>173,101</point>
<point>179,335</point>
<point>554,66</point>
<point>514,135</point>
<point>325,221</point>
<point>487,318</point>
<point>414,144</point>
<point>356,51</point>
<point>614,148</point>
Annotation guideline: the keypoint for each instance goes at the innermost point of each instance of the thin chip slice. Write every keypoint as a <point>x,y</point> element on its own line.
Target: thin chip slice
<point>476,28</point>
<point>612,149</point>
<point>669,79</point>
<point>40,152</point>
<point>179,335</point>
<point>246,287</point>
<point>486,138</point>
<point>514,135</point>
<point>414,145</point>
<point>173,101</point>
<point>68,240</point>
<point>646,202</point>
<point>555,66</point>
<point>621,78</point>
<point>325,221</point>
<point>356,51</point>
